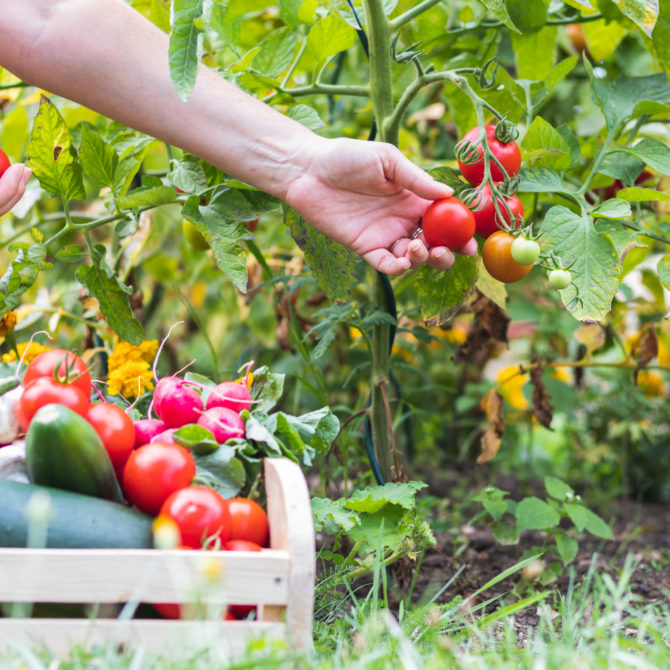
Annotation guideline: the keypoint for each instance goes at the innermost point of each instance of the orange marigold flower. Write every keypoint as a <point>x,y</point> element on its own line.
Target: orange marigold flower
<point>7,323</point>
<point>27,351</point>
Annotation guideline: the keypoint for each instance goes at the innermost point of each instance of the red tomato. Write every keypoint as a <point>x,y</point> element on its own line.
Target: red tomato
<point>170,610</point>
<point>448,223</point>
<point>154,472</point>
<point>200,513</point>
<point>498,261</point>
<point>248,521</point>
<point>4,162</point>
<point>115,428</point>
<point>508,154</point>
<point>44,391</point>
<point>241,545</point>
<point>61,365</point>
<point>486,217</point>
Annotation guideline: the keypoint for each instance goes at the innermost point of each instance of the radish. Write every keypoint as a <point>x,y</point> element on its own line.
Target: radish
<point>180,405</point>
<point>166,437</point>
<point>164,386</point>
<point>223,423</point>
<point>146,429</point>
<point>232,395</point>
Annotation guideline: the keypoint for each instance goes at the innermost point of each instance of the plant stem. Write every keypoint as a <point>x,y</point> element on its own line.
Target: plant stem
<point>597,162</point>
<point>325,89</point>
<point>402,19</point>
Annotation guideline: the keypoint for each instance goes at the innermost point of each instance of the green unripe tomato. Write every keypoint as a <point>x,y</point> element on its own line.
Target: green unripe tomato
<point>193,236</point>
<point>525,251</point>
<point>560,279</point>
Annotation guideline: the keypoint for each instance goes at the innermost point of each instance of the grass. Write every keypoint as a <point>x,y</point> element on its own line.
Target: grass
<point>598,623</point>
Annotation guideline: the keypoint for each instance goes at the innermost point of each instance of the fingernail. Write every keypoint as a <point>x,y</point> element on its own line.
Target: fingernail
<point>438,255</point>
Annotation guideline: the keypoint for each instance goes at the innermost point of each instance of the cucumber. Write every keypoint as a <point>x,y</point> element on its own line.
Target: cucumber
<point>63,450</point>
<point>75,520</point>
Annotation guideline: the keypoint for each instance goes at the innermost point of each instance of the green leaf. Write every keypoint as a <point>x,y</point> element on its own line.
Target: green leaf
<point>18,278</point>
<point>505,534</point>
<point>535,514</point>
<point>306,115</point>
<point>571,140</point>
<point>70,253</point>
<point>498,9</point>
<point>447,175</point>
<point>620,165</point>
<point>330,516</point>
<point>624,240</point>
<point>540,180</point>
<point>614,208</point>
<point>660,42</point>
<point>593,261</point>
<point>496,508</point>
<point>535,53</point>
<point>557,488</point>
<point>289,12</point>
<point>221,470</point>
<point>317,429</point>
<point>188,174</point>
<point>98,159</point>
<point>333,265</point>
<point>585,519</point>
<point>196,438</point>
<point>560,72</point>
<point>266,389</point>
<point>653,153</point>
<point>276,53</point>
<point>328,37</point>
<point>643,13</point>
<point>566,547</point>
<point>544,146</point>
<point>372,498</point>
<point>443,291</point>
<point>638,194</point>
<point>112,296</point>
<point>663,269</point>
<point>146,197</point>
<point>185,48</point>
<point>52,157</point>
<point>602,38</point>
<point>257,430</point>
<point>528,15</point>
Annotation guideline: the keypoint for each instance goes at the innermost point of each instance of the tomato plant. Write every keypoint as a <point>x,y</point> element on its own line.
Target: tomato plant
<point>61,365</point>
<point>525,251</point>
<point>248,521</point>
<point>486,216</point>
<point>44,391</point>
<point>193,236</point>
<point>560,278</point>
<point>508,154</point>
<point>498,261</point>
<point>448,223</point>
<point>155,471</point>
<point>201,515</point>
<point>4,162</point>
<point>115,428</point>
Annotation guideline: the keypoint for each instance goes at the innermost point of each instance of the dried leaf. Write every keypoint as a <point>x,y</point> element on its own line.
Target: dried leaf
<point>542,409</point>
<point>645,348</point>
<point>490,328</point>
<point>492,404</point>
<point>591,335</point>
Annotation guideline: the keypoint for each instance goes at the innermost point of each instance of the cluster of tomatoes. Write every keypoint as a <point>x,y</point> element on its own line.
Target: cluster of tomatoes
<point>450,222</point>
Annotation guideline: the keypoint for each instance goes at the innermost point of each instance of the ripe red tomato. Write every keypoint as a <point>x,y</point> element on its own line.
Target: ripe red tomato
<point>154,472</point>
<point>486,217</point>
<point>448,223</point>
<point>62,366</point>
<point>200,513</point>
<point>241,545</point>
<point>44,391</point>
<point>4,162</point>
<point>498,261</point>
<point>248,521</point>
<point>508,154</point>
<point>115,428</point>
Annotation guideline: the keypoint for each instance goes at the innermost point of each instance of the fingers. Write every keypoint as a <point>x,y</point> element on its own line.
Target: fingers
<point>403,172</point>
<point>470,248</point>
<point>384,261</point>
<point>12,186</point>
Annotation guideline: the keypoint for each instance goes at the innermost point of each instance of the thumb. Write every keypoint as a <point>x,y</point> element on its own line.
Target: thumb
<point>413,178</point>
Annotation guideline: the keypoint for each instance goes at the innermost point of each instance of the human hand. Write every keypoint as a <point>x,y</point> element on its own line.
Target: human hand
<point>369,197</point>
<point>12,186</point>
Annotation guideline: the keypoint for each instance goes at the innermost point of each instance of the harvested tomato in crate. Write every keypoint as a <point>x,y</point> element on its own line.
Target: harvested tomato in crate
<point>279,581</point>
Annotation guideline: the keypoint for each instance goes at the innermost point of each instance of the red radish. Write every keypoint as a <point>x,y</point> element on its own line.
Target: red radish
<point>146,429</point>
<point>180,405</point>
<point>223,423</point>
<point>166,437</point>
<point>232,395</point>
<point>163,387</point>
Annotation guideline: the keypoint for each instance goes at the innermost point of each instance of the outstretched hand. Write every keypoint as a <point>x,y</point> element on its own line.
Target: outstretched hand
<point>369,197</point>
<point>12,186</point>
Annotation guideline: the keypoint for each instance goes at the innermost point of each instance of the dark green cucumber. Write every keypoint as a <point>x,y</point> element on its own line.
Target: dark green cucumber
<point>75,520</point>
<point>63,450</point>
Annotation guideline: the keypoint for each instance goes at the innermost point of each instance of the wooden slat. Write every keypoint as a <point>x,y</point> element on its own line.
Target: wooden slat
<point>150,575</point>
<point>181,638</point>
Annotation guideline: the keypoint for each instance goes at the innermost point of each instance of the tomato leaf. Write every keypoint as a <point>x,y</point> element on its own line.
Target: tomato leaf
<point>540,180</point>
<point>276,53</point>
<point>535,53</point>
<point>643,13</point>
<point>638,194</point>
<point>188,174</point>
<point>306,115</point>
<point>98,159</point>
<point>621,165</point>
<point>654,153</point>
<point>544,146</point>
<point>185,49</point>
<point>146,197</point>
<point>498,9</point>
<point>614,208</point>
<point>329,36</point>
<point>52,156</point>
<point>18,278</point>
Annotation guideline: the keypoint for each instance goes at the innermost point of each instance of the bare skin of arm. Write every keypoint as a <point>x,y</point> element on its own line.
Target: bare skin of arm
<point>106,56</point>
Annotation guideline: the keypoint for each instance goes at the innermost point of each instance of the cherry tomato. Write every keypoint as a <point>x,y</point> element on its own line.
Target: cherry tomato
<point>44,391</point>
<point>498,261</point>
<point>154,472</point>
<point>171,610</point>
<point>62,366</point>
<point>508,154</point>
<point>115,428</point>
<point>575,33</point>
<point>248,521</point>
<point>200,513</point>
<point>560,279</point>
<point>448,223</point>
<point>193,236</point>
<point>486,217</point>
<point>525,251</point>
<point>241,545</point>
<point>4,162</point>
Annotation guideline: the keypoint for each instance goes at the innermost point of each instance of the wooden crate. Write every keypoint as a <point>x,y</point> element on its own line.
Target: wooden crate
<point>280,580</point>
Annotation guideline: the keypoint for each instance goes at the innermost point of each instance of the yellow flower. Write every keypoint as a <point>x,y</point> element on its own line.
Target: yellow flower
<point>512,384</point>
<point>7,323</point>
<point>651,383</point>
<point>34,350</point>
<point>130,368</point>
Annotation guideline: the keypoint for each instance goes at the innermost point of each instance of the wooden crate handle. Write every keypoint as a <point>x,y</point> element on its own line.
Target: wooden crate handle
<point>292,530</point>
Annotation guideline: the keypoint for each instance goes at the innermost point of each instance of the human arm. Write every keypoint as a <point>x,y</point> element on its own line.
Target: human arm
<point>108,57</point>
